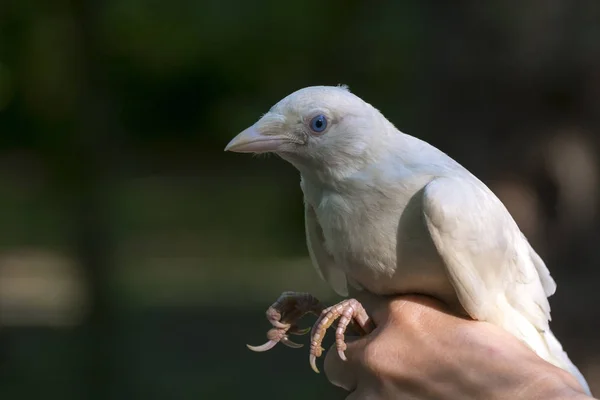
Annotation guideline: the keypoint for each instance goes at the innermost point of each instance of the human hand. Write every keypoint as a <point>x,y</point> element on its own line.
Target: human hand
<point>420,351</point>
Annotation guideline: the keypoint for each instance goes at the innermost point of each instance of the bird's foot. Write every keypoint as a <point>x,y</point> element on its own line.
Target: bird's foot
<point>283,315</point>
<point>348,311</point>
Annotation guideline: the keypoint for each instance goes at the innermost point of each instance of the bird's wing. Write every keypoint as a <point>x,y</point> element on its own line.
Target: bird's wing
<point>487,258</point>
<point>321,259</point>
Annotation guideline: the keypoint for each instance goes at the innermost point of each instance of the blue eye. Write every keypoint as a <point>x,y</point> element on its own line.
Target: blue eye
<point>318,123</point>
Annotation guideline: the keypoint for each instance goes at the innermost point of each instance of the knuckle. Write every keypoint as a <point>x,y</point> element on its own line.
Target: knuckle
<point>382,361</point>
<point>373,357</point>
<point>409,317</point>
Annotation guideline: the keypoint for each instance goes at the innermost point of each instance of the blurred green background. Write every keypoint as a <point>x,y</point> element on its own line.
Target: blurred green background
<point>137,258</point>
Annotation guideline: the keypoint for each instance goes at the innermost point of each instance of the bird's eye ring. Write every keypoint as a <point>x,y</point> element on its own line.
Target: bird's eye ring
<point>318,124</point>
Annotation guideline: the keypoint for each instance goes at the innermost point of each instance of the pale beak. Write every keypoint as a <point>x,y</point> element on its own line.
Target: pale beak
<point>252,140</point>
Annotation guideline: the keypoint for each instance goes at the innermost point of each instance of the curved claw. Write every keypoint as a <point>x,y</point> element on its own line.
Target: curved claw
<point>278,324</point>
<point>313,363</point>
<point>267,346</point>
<point>285,340</point>
<point>299,332</point>
<point>342,355</point>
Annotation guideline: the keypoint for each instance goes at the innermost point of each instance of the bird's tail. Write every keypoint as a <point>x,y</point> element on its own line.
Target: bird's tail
<point>544,343</point>
<point>560,359</point>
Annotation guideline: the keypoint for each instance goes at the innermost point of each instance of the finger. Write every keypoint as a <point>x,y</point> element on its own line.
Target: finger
<point>343,373</point>
<point>355,396</point>
<point>379,308</point>
<point>360,394</point>
<point>417,300</point>
<point>373,304</point>
<point>394,308</point>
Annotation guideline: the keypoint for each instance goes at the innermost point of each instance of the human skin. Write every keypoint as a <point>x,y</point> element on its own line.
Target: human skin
<point>420,351</point>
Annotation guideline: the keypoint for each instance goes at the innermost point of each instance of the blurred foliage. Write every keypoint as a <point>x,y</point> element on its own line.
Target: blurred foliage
<point>113,117</point>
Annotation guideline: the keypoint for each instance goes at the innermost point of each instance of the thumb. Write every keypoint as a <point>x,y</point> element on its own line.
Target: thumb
<point>341,373</point>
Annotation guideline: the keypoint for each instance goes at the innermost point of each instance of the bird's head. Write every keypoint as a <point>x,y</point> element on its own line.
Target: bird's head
<point>324,129</point>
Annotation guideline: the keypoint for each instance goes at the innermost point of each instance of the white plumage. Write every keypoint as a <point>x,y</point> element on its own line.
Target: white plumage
<point>391,214</point>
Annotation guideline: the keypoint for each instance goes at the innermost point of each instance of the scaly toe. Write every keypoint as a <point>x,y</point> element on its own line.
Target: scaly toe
<point>283,314</point>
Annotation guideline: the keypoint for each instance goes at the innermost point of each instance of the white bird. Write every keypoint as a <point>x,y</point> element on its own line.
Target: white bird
<point>388,213</point>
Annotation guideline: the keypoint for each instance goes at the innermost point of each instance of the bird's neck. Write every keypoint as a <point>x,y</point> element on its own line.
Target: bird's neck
<point>400,157</point>
<point>336,177</point>
<point>323,179</point>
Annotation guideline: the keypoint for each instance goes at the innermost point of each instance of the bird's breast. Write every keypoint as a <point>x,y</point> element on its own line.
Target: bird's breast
<point>358,238</point>
<point>383,244</point>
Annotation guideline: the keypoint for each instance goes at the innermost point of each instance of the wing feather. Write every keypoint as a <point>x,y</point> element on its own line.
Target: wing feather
<point>488,260</point>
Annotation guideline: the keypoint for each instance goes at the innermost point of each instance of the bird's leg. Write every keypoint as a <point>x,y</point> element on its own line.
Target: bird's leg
<point>283,315</point>
<point>348,311</point>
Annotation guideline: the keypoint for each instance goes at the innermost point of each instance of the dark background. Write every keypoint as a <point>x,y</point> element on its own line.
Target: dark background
<point>137,258</point>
